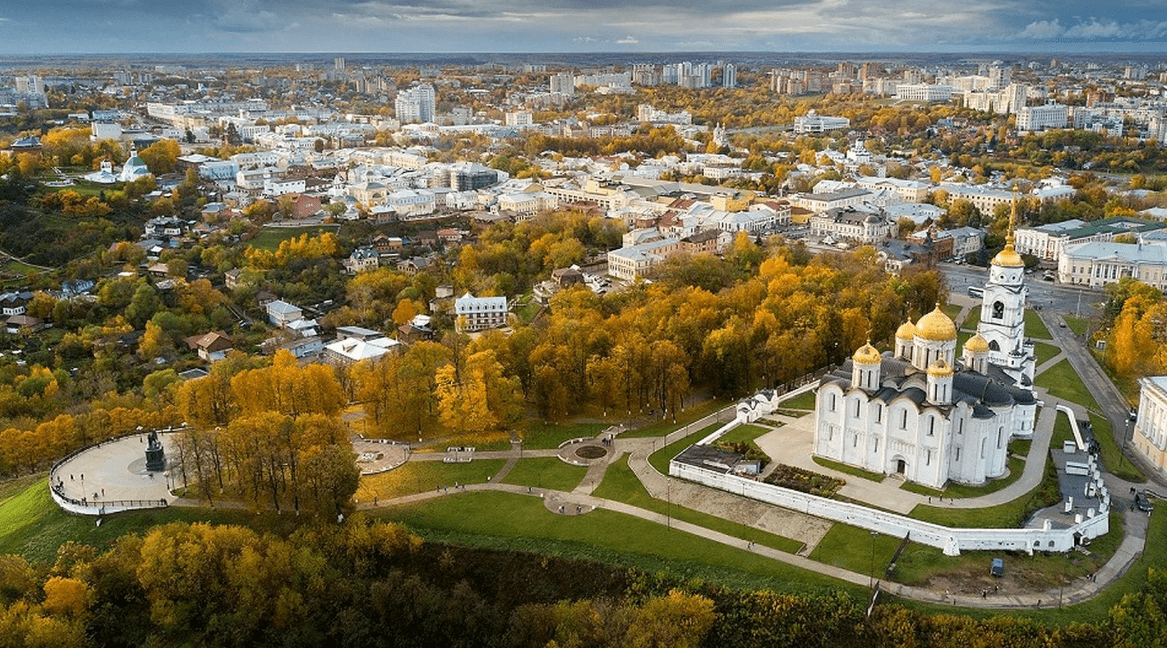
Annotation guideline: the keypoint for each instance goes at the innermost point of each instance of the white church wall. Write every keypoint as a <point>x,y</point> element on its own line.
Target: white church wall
<point>951,541</point>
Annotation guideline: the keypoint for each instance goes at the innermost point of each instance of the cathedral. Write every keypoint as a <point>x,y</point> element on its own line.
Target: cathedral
<point>925,415</point>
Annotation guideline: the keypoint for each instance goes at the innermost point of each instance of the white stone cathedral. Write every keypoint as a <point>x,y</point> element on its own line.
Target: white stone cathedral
<point>922,414</point>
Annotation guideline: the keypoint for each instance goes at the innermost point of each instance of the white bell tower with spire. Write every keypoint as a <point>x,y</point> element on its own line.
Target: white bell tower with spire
<point>1002,322</point>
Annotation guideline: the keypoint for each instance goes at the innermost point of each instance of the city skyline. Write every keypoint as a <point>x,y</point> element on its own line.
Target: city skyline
<point>207,26</point>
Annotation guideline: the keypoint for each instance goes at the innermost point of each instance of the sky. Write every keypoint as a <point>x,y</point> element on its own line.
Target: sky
<point>223,26</point>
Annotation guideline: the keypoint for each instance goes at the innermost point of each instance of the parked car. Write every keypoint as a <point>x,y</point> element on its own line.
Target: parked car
<point>997,568</point>
<point>1142,502</point>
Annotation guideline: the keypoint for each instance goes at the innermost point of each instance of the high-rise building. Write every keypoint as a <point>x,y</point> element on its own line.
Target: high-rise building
<point>338,64</point>
<point>729,76</point>
<point>416,104</point>
<point>563,83</point>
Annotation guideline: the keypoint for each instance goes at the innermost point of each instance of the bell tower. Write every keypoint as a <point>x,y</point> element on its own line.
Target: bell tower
<point>1002,322</point>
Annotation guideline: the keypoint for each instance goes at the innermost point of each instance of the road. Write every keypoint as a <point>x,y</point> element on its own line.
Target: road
<point>1047,295</point>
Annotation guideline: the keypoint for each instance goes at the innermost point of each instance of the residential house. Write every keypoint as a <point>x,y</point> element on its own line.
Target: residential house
<point>479,313</point>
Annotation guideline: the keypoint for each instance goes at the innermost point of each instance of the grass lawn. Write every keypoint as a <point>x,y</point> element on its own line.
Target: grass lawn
<point>961,338</point>
<point>537,434</point>
<point>546,472</point>
<point>269,238</point>
<point>850,470</point>
<point>1045,352</point>
<point>954,490</point>
<point>621,484</point>
<point>951,310</point>
<point>1076,324</point>
<point>974,318</point>
<point>804,401</point>
<point>1111,453</point>
<point>851,548</point>
<point>919,564</point>
<point>10,488</point>
<point>1062,381</point>
<point>690,414</point>
<point>13,266</point>
<point>1097,608</point>
<point>478,441</point>
<point>661,458</point>
<point>521,523</point>
<point>527,311</point>
<point>32,525</point>
<point>420,476</point>
<point>1008,515</point>
<point>1034,327</point>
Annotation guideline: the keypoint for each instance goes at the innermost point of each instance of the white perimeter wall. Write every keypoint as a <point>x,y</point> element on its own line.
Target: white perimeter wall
<point>951,541</point>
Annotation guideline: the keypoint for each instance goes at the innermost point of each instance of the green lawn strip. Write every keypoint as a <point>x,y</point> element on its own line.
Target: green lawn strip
<point>1045,352</point>
<point>963,337</point>
<point>803,401</point>
<point>920,563</point>
<point>850,470</point>
<point>269,238</point>
<point>546,472</point>
<point>1112,458</point>
<point>850,547</point>
<point>494,441</point>
<point>537,434</point>
<point>1062,381</point>
<point>974,318</point>
<point>746,434</point>
<point>527,311</point>
<point>1034,327</point>
<point>12,487</point>
<point>621,484</point>
<point>1128,386</point>
<point>1020,447</point>
<point>520,522</point>
<point>690,414</point>
<point>958,491</point>
<point>1094,610</point>
<point>421,476</point>
<point>1076,324</point>
<point>951,310</point>
<point>661,458</point>
<point>1005,516</point>
<point>32,525</point>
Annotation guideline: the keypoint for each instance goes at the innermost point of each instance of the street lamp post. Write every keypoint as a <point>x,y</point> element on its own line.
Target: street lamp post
<point>1125,438</point>
<point>871,571</point>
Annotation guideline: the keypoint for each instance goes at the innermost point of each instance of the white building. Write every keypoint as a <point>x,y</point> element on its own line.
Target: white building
<point>415,104</point>
<point>917,412</point>
<point>1150,434</point>
<point>1039,118</point>
<point>812,123</point>
<point>923,92</point>
<point>1100,264</point>
<point>629,262</point>
<point>479,313</point>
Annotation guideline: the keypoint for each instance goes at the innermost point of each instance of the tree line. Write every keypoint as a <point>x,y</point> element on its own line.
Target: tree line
<point>367,583</point>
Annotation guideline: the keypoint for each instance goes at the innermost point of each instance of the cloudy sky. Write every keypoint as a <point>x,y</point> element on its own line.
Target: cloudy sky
<point>162,26</point>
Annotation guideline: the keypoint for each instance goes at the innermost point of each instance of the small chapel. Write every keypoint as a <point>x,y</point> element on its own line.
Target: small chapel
<point>924,414</point>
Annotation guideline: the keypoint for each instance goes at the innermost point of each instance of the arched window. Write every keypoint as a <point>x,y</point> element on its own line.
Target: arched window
<point>998,310</point>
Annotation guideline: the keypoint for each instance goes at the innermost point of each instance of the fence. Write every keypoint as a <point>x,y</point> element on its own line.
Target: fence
<point>99,507</point>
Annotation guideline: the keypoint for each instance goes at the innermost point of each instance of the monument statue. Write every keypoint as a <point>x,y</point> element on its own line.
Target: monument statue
<point>155,455</point>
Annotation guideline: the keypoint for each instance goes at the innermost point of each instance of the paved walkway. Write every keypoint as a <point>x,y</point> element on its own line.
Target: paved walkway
<point>115,470</point>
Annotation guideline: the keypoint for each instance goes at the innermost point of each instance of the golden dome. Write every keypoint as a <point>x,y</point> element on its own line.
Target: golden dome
<point>936,326</point>
<point>940,369</point>
<point>906,331</point>
<point>1008,257</point>
<point>977,344</point>
<point>867,354</point>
